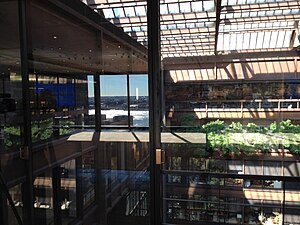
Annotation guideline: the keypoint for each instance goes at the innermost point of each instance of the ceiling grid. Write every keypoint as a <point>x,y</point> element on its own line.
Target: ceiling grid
<point>210,27</point>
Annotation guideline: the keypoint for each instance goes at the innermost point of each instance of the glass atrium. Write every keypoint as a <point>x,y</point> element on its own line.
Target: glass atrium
<point>148,112</point>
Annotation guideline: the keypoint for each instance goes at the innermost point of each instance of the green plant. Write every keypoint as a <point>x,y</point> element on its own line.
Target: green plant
<point>222,138</point>
<point>215,126</point>
<point>12,136</point>
<point>42,130</point>
<point>252,127</point>
<point>235,127</point>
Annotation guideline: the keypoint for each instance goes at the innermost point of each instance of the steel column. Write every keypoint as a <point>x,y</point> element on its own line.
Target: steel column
<point>154,74</point>
<point>56,184</point>
<point>25,50</point>
<point>128,101</point>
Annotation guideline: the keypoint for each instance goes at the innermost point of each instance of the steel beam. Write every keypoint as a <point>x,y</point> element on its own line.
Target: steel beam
<point>218,13</point>
<point>196,61</point>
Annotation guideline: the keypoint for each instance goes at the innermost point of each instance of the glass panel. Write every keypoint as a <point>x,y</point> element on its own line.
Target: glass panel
<point>173,8</point>
<point>43,199</point>
<point>122,158</point>
<point>59,101</point>
<point>119,12</point>
<point>140,10</point>
<point>89,118</point>
<point>108,13</point>
<point>11,108</point>
<point>88,178</point>
<point>68,191</point>
<point>139,103</point>
<point>114,100</point>
<point>16,195</point>
<point>129,11</point>
<point>231,134</point>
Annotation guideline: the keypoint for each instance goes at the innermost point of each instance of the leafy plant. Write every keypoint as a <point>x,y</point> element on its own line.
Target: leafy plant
<point>235,127</point>
<point>215,126</point>
<point>252,127</point>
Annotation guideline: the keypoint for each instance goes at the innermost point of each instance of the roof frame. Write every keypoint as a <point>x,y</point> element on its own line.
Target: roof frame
<point>218,14</point>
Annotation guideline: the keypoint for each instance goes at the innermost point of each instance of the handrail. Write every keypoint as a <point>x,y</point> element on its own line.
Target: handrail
<point>239,105</point>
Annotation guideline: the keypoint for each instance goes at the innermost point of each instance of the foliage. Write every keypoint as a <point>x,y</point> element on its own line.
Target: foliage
<point>42,130</point>
<point>214,127</point>
<point>220,137</point>
<point>235,127</point>
<point>234,138</point>
<point>252,127</point>
<point>66,127</point>
<point>12,136</point>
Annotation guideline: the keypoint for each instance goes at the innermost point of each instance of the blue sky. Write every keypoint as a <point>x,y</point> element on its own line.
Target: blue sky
<point>116,85</point>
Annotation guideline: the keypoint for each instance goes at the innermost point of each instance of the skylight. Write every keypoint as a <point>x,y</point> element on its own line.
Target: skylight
<point>254,40</point>
<point>119,12</point>
<point>129,11</point>
<point>188,27</point>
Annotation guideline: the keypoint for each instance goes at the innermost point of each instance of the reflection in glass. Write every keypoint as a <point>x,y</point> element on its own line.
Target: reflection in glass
<point>16,195</point>
<point>11,121</point>
<point>139,103</point>
<point>68,191</point>
<point>43,199</point>
<point>88,178</point>
<point>114,102</point>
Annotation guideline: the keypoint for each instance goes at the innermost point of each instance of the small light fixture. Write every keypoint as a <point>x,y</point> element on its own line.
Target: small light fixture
<point>54,37</point>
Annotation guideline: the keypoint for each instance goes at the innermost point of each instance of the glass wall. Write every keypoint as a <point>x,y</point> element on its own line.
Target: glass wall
<point>68,191</point>
<point>231,105</point>
<point>43,199</point>
<point>139,101</point>
<point>11,120</point>
<point>16,195</point>
<point>124,100</point>
<point>114,100</point>
<point>89,119</point>
<point>126,180</point>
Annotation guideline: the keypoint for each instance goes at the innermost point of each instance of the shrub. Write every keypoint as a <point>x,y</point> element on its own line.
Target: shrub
<point>214,127</point>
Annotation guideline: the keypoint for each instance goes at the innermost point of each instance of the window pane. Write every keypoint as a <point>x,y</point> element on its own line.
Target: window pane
<point>139,104</point>
<point>114,102</point>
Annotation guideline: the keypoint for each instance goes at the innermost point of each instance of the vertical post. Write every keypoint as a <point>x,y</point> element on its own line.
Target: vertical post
<point>97,102</point>
<point>100,152</point>
<point>283,201</point>
<point>242,108</point>
<point>79,190</point>
<point>97,93</point>
<point>128,102</point>
<point>56,195</point>
<point>25,50</point>
<point>154,71</point>
<point>101,173</point>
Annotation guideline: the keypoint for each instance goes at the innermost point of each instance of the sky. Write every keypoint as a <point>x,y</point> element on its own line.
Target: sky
<point>116,85</point>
